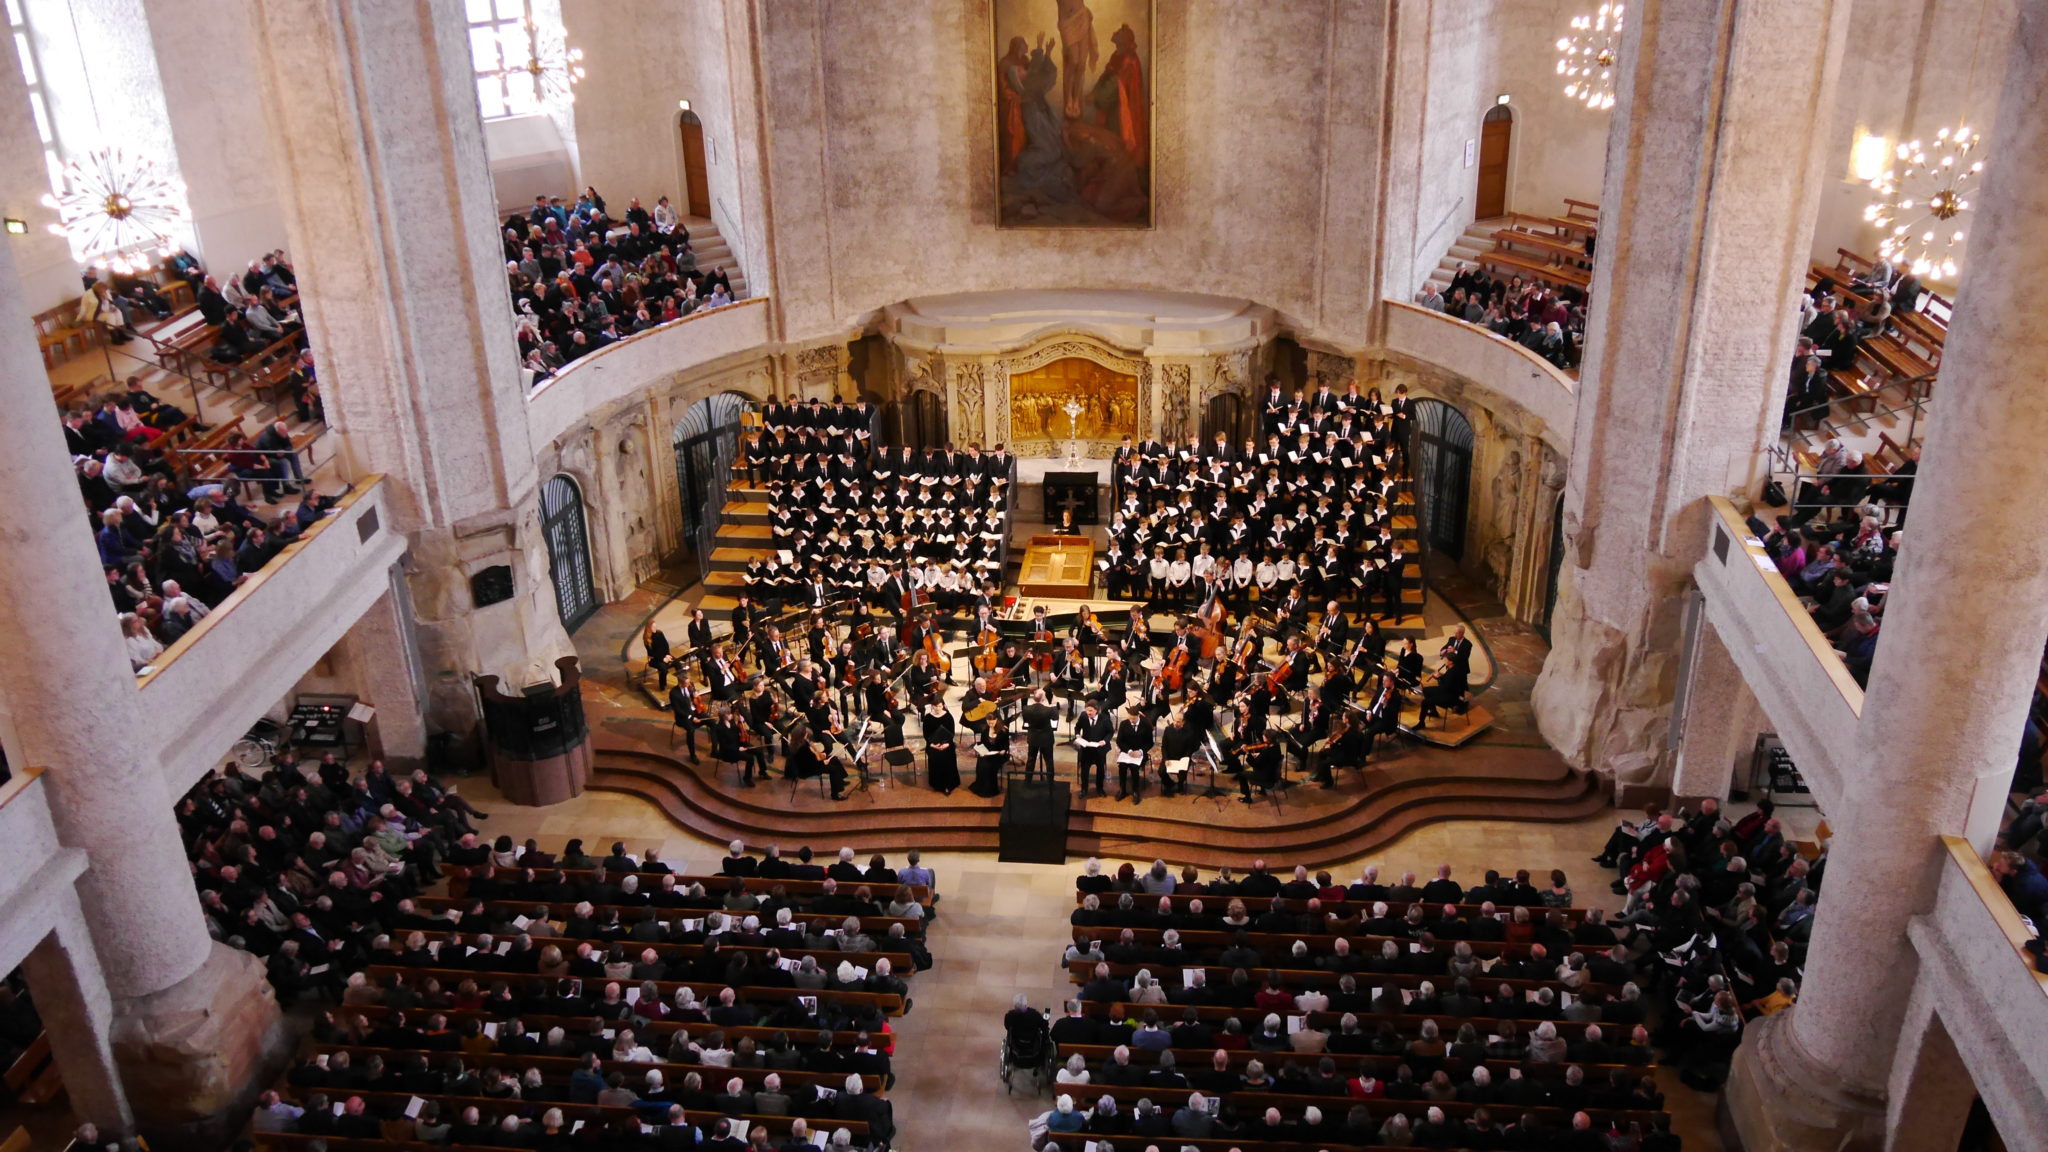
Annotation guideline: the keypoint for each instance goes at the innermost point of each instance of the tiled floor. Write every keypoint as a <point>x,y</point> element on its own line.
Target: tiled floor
<point>1000,932</point>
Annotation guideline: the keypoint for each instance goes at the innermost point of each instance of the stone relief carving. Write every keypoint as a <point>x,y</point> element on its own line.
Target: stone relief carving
<point>920,377</point>
<point>1505,520</point>
<point>1338,370</point>
<point>969,392</point>
<point>1176,380</point>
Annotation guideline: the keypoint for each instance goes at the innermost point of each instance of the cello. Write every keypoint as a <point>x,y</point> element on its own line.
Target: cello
<point>984,661</point>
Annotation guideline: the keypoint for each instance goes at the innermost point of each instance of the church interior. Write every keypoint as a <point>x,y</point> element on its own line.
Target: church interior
<point>1312,575</point>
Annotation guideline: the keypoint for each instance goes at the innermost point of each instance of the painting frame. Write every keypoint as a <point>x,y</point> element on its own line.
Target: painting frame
<point>1096,172</point>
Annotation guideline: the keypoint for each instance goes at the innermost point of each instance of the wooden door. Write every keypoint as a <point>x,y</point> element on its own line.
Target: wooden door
<point>1494,137</point>
<point>696,185</point>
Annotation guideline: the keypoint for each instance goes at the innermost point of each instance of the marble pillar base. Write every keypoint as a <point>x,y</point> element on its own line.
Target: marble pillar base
<point>194,1056</point>
<point>1779,1099</point>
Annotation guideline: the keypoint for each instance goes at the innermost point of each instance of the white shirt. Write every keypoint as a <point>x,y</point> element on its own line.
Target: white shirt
<point>1178,572</point>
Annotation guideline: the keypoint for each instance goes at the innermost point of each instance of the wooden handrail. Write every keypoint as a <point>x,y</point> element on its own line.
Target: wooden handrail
<point>19,783</point>
<point>1995,900</point>
<point>1823,651</point>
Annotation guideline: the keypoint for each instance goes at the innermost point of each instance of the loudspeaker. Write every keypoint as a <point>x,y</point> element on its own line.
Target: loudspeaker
<point>1075,490</point>
<point>491,586</point>
<point>1034,823</point>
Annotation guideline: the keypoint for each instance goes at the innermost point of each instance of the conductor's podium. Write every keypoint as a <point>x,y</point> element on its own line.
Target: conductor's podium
<point>1058,567</point>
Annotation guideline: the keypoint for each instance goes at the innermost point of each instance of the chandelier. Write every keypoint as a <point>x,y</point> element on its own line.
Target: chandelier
<point>1587,56</point>
<point>555,66</point>
<point>1920,205</point>
<point>119,207</point>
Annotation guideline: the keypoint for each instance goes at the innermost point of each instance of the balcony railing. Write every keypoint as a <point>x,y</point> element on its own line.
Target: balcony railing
<point>619,370</point>
<point>1487,359</point>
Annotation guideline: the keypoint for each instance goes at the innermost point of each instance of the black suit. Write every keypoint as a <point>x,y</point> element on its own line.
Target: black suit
<point>1098,730</point>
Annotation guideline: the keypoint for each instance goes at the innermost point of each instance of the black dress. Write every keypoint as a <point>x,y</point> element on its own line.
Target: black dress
<point>988,768</point>
<point>942,764</point>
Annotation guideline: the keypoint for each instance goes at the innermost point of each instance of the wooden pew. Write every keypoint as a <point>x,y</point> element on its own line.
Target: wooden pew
<point>33,1078</point>
<point>1530,266</point>
<point>827,959</point>
<point>395,1103</point>
<point>1407,1024</point>
<point>1383,1067</point>
<point>1255,904</point>
<point>1248,1104</point>
<point>556,1069</point>
<point>888,1003</point>
<point>762,1035</point>
<point>1216,976</point>
<point>628,913</point>
<point>1277,945</point>
<point>57,331</point>
<point>760,886</point>
<point>1581,210</point>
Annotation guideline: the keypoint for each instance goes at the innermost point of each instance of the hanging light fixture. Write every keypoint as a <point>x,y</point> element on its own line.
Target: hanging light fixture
<point>119,208</point>
<point>555,66</point>
<point>1923,196</point>
<point>1919,207</point>
<point>1586,57</point>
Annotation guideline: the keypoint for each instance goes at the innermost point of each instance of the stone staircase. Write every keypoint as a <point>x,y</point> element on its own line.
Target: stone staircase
<point>1466,249</point>
<point>714,252</point>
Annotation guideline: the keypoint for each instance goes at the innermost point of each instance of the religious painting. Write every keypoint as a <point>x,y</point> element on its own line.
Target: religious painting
<point>1073,113</point>
<point>1038,401</point>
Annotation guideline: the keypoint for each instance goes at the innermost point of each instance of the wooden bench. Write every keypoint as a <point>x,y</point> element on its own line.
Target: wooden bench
<point>888,1003</point>
<point>33,1078</point>
<point>1558,249</point>
<point>1274,945</point>
<point>760,886</point>
<point>57,331</point>
<point>628,913</point>
<point>1581,210</point>
<point>827,959</point>
<point>1216,976</point>
<point>1573,916</point>
<point>395,1103</point>
<point>1528,265</point>
<point>1251,1104</point>
<point>1385,1066</point>
<point>354,1016</point>
<point>205,458</point>
<point>1556,225</point>
<point>1407,1024</point>
<point>556,1069</point>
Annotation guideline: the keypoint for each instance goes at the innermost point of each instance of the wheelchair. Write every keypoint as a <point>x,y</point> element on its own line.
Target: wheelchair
<point>1028,1051</point>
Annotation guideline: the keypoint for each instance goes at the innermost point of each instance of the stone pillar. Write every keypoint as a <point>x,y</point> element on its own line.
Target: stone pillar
<point>1963,630</point>
<point>376,650</point>
<point>1715,160</point>
<point>193,1021</point>
<point>72,999</point>
<point>1722,719</point>
<point>393,229</point>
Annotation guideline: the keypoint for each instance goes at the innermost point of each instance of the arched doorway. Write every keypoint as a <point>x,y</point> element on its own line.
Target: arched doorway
<point>920,421</point>
<point>1496,134</point>
<point>707,441</point>
<point>1227,413</point>
<point>562,525</point>
<point>696,184</point>
<point>1443,474</point>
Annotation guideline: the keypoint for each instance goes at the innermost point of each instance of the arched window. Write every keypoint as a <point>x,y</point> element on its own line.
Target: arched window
<point>707,442</point>
<point>561,523</point>
<point>1443,474</point>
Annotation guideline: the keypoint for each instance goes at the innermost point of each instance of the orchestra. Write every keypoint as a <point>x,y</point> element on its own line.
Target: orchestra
<point>1275,562</point>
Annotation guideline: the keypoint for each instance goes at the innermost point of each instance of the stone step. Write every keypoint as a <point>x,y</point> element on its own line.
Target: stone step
<point>1408,789</point>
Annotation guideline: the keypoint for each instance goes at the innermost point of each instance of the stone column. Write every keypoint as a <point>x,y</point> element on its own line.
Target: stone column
<point>1722,718</point>
<point>375,648</point>
<point>77,1010</point>
<point>393,229</point>
<point>192,1020</point>
<point>1963,630</point>
<point>1715,160</point>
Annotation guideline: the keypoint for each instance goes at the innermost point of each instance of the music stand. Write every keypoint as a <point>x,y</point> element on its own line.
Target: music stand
<point>860,765</point>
